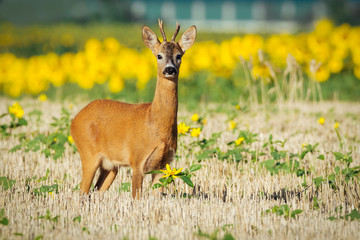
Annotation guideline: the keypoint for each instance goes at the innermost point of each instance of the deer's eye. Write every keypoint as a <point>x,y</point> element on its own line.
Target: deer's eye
<point>178,57</point>
<point>159,57</point>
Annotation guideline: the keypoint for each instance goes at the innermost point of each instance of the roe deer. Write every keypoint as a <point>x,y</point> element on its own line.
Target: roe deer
<point>109,134</point>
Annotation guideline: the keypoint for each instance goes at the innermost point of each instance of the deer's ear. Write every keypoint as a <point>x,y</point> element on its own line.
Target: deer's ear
<point>188,38</point>
<point>150,39</point>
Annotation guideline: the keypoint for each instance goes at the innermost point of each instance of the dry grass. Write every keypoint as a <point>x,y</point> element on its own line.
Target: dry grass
<point>228,192</point>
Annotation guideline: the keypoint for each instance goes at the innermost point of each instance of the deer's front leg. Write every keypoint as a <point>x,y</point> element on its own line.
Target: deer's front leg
<point>137,180</point>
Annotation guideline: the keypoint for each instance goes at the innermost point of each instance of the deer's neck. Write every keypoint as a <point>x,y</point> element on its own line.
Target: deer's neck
<point>165,106</point>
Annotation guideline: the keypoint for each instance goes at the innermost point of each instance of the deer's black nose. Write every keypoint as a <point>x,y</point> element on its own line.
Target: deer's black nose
<point>169,70</point>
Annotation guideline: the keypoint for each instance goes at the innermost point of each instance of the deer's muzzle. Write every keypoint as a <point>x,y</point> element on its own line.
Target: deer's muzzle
<point>169,71</point>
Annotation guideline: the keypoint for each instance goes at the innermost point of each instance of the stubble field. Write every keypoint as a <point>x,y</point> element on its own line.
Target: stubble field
<point>262,176</point>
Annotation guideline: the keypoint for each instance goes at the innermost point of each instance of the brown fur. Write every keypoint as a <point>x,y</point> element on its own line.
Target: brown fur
<point>109,133</point>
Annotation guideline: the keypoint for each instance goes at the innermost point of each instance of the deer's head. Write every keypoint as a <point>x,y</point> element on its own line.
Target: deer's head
<point>168,53</point>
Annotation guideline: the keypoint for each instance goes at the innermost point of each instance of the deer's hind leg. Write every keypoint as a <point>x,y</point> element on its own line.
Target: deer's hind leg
<point>106,178</point>
<point>89,163</point>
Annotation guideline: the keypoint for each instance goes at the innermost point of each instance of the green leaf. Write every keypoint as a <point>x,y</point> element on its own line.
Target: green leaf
<point>77,219</point>
<point>235,153</point>
<point>300,172</point>
<point>207,154</point>
<point>354,215</point>
<point>157,185</point>
<point>4,221</point>
<point>317,181</point>
<point>181,174</point>
<point>154,172</point>
<point>195,167</point>
<point>22,122</point>
<point>84,229</point>
<point>187,181</point>
<point>321,157</point>
<point>125,187</point>
<point>18,234</point>
<point>295,212</point>
<point>46,152</point>
<point>303,153</point>
<point>332,218</point>
<point>269,163</point>
<point>163,180</point>
<point>169,179</point>
<point>38,237</point>
<point>6,183</point>
<point>279,212</point>
<point>16,148</point>
<point>338,155</point>
<point>228,236</point>
<point>59,150</point>
<point>276,155</point>
<point>315,204</point>
<point>55,219</point>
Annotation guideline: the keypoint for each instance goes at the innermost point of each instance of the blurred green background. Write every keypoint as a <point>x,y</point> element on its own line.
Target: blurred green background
<point>93,49</point>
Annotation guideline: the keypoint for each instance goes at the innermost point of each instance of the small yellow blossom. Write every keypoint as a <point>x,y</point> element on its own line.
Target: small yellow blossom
<point>195,117</point>
<point>70,106</point>
<point>168,172</point>
<point>42,98</point>
<point>232,125</point>
<point>321,120</point>
<point>336,125</point>
<point>16,110</point>
<point>195,132</point>
<point>204,121</point>
<point>55,139</point>
<point>239,141</point>
<point>70,139</point>
<point>237,107</point>
<point>51,194</point>
<point>304,145</point>
<point>182,128</point>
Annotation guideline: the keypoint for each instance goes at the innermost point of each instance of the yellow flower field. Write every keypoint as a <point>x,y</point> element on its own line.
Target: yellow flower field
<point>324,51</point>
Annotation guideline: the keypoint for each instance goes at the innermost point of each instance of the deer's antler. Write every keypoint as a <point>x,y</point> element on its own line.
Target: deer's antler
<point>161,25</point>
<point>176,31</point>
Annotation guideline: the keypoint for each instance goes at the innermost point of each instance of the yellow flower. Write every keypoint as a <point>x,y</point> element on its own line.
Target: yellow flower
<point>321,120</point>
<point>16,110</point>
<point>232,125</point>
<point>195,117</point>
<point>204,121</point>
<point>237,107</point>
<point>172,173</point>
<point>304,145</point>
<point>239,141</point>
<point>55,139</point>
<point>116,83</point>
<point>182,128</point>
<point>336,125</point>
<point>260,71</point>
<point>51,194</point>
<point>70,106</point>
<point>335,65</point>
<point>70,139</point>
<point>322,74</point>
<point>195,132</point>
<point>356,71</point>
<point>42,98</point>
<point>324,27</point>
